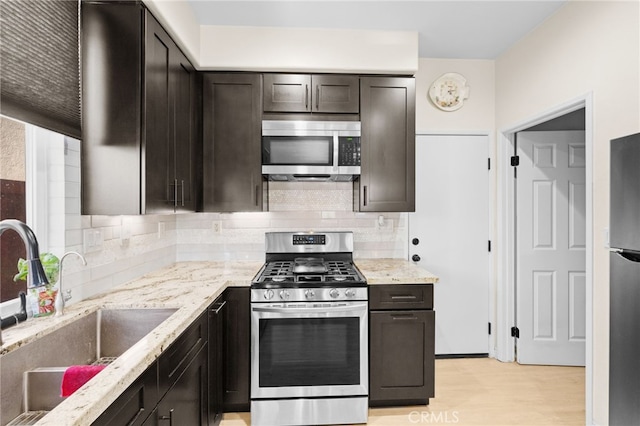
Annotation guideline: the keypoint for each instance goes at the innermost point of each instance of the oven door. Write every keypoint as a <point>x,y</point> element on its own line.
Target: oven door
<point>309,349</point>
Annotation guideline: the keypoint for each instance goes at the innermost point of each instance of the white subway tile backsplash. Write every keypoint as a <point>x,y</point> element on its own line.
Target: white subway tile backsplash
<point>191,236</point>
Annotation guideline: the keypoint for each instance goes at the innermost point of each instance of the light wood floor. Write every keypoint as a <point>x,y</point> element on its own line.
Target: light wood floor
<point>483,391</point>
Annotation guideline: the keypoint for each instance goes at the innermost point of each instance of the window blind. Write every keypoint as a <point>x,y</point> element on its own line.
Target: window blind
<point>39,63</point>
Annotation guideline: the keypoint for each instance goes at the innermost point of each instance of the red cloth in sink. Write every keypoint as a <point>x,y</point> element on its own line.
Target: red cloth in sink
<point>76,376</point>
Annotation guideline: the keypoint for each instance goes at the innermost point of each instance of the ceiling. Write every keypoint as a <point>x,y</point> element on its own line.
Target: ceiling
<point>472,29</point>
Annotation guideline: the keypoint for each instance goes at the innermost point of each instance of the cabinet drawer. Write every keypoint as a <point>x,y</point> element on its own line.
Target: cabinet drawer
<point>401,296</point>
<point>176,358</point>
<point>135,404</point>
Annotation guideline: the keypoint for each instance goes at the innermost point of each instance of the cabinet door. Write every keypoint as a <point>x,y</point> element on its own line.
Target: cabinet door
<point>237,347</point>
<point>184,86</point>
<point>186,403</point>
<point>287,93</point>
<point>175,359</point>
<point>336,93</point>
<point>157,157</point>
<point>135,404</point>
<point>387,113</point>
<point>401,357</point>
<point>232,138</point>
<point>112,50</point>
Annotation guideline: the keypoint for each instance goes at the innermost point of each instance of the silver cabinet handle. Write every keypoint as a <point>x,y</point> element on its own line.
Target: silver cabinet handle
<point>407,297</point>
<point>217,309</point>
<point>175,192</point>
<point>169,417</point>
<point>306,96</point>
<point>364,195</point>
<point>317,97</point>
<point>403,317</point>
<point>182,185</point>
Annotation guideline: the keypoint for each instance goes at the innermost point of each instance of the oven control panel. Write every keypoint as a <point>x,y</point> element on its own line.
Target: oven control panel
<point>308,294</point>
<point>310,239</point>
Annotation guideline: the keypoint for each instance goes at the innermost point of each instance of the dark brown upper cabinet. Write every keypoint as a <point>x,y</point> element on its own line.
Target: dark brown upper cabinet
<point>387,115</point>
<point>140,114</point>
<point>232,120</point>
<point>324,93</point>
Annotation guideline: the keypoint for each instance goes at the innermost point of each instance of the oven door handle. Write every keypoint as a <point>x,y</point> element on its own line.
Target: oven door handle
<point>343,308</point>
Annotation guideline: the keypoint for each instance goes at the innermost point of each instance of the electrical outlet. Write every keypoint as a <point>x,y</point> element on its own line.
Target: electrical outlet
<point>216,226</point>
<point>125,234</point>
<point>92,240</point>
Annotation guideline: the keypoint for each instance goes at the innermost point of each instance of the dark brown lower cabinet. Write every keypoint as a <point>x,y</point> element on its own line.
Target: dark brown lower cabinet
<point>401,346</point>
<point>203,373</point>
<point>135,404</point>
<point>237,349</point>
<point>186,402</point>
<point>173,390</point>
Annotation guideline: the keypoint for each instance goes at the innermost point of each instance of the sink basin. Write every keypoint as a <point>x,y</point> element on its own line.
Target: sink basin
<point>99,337</point>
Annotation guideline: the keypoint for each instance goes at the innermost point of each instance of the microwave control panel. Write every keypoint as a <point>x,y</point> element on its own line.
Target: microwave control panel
<point>349,151</point>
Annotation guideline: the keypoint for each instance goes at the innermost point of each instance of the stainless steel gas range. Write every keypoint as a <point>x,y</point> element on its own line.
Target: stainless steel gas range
<point>309,332</point>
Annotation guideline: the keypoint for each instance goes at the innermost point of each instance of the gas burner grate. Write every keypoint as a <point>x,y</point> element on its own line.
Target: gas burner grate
<point>279,268</point>
<point>340,268</point>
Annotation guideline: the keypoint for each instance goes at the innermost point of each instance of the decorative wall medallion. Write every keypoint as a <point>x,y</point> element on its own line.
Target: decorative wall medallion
<point>449,91</point>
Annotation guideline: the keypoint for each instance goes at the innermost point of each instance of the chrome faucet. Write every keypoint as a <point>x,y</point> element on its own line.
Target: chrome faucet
<point>36,276</point>
<point>61,298</point>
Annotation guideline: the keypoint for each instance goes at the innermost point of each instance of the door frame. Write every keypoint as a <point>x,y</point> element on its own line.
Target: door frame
<point>505,297</point>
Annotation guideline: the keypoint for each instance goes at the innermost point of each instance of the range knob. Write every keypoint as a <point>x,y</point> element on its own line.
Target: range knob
<point>334,293</point>
<point>350,292</point>
<point>284,295</point>
<point>415,258</point>
<point>268,294</point>
<point>309,294</point>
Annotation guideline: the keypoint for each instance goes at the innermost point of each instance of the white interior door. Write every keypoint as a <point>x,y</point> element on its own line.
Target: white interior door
<point>550,245</point>
<point>451,222</point>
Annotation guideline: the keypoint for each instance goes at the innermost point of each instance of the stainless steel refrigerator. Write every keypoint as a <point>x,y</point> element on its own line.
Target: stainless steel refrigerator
<point>624,237</point>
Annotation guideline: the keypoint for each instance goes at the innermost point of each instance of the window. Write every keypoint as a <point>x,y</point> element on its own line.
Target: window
<point>40,176</point>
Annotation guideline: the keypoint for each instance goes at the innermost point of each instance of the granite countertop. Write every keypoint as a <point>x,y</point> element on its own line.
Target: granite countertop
<point>394,271</point>
<point>189,287</point>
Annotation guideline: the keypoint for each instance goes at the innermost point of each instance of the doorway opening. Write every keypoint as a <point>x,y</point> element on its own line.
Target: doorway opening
<point>507,253</point>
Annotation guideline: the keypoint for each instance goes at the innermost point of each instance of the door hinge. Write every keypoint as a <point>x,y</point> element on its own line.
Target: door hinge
<point>515,332</point>
<point>515,161</point>
<point>488,163</point>
<point>489,328</point>
<point>489,245</point>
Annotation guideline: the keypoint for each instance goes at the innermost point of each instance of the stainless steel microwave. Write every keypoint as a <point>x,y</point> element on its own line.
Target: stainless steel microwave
<point>310,150</point>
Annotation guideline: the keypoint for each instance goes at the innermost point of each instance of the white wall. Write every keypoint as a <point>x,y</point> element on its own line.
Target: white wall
<point>585,47</point>
<point>477,113</point>
<point>286,49</point>
<point>177,17</point>
<point>308,50</point>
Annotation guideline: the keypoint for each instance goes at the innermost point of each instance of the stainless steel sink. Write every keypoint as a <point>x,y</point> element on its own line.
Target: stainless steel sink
<point>99,337</point>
